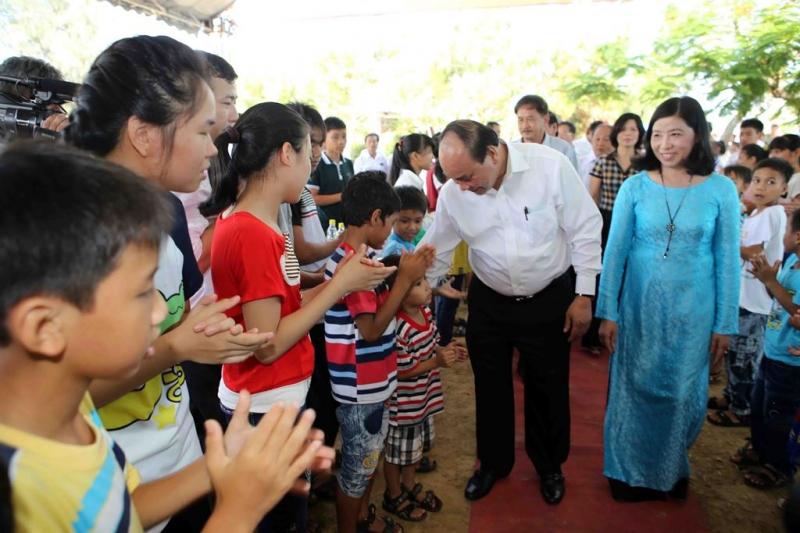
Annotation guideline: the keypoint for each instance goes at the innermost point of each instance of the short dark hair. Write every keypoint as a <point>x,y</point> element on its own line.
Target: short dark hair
<point>570,126</point>
<point>701,158</point>
<point>335,123</point>
<point>785,142</point>
<point>552,118</point>
<point>368,135</point>
<point>492,124</point>
<point>532,100</point>
<point>309,114</point>
<point>475,136</point>
<point>79,214</point>
<point>412,199</point>
<point>218,67</point>
<point>26,67</point>
<point>754,150</point>
<point>752,123</point>
<point>364,193</point>
<point>740,171</point>
<point>394,261</point>
<point>777,164</point>
<point>594,125</point>
<point>619,125</point>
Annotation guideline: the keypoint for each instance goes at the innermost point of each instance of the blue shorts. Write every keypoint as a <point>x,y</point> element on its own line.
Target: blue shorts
<point>363,429</point>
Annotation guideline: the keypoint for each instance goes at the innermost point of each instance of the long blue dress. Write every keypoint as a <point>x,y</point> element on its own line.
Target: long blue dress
<point>666,310</point>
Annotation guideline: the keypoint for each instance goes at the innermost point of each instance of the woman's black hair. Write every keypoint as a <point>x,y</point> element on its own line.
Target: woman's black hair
<point>619,125</point>
<point>156,79</point>
<point>701,158</point>
<point>258,135</point>
<point>401,157</point>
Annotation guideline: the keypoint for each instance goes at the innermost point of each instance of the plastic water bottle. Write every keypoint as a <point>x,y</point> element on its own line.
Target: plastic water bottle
<point>331,233</point>
<point>340,232</point>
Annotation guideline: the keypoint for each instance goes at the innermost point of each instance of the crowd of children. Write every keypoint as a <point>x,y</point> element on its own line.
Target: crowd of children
<point>180,233</point>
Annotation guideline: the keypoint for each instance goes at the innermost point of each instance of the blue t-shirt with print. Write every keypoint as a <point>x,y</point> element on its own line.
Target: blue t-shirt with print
<point>780,335</point>
<point>395,245</point>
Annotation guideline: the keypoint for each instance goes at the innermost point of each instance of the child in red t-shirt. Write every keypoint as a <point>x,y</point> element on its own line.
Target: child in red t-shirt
<point>252,258</point>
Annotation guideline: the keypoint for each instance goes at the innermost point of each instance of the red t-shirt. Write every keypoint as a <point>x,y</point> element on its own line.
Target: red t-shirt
<point>253,260</point>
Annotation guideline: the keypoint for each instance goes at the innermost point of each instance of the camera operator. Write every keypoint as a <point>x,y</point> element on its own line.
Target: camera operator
<point>25,67</point>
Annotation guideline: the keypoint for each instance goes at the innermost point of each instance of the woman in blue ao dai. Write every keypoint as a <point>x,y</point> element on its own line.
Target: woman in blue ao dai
<point>669,296</point>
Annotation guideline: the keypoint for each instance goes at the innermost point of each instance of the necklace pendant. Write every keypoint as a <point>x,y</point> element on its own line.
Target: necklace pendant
<point>670,227</point>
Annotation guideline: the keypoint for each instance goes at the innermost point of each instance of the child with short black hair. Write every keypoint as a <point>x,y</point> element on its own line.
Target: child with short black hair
<point>741,176</point>
<point>776,392</point>
<point>417,399</point>
<point>79,258</point>
<point>333,172</point>
<point>762,234</point>
<point>407,230</point>
<point>360,345</point>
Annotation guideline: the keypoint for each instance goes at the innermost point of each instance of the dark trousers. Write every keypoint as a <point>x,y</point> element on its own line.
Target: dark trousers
<point>496,325</point>
<point>320,398</point>
<point>591,339</point>
<point>776,398</point>
<point>446,312</point>
<point>291,512</point>
<point>203,383</point>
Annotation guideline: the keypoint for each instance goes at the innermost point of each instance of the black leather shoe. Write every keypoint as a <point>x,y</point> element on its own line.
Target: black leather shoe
<point>552,487</point>
<point>480,484</point>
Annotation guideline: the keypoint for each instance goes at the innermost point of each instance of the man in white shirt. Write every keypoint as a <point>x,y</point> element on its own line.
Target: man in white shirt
<point>532,120</point>
<point>527,219</point>
<point>583,146</point>
<point>370,159</point>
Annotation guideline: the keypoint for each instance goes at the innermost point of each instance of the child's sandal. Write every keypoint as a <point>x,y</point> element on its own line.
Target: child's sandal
<point>389,525</point>
<point>765,477</point>
<point>403,507</point>
<point>430,501</point>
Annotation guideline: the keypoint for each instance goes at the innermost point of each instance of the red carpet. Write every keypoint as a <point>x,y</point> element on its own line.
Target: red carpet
<point>516,505</point>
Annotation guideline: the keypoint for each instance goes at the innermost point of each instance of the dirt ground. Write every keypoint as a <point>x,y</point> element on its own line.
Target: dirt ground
<point>729,503</point>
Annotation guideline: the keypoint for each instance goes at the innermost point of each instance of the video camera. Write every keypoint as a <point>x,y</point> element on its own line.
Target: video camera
<point>22,115</point>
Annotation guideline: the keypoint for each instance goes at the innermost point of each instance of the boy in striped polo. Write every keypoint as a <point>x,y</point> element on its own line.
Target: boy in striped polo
<point>417,398</point>
<point>360,345</point>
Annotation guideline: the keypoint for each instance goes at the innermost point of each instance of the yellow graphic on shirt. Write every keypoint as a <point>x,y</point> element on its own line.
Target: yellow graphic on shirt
<point>140,403</point>
<point>774,320</point>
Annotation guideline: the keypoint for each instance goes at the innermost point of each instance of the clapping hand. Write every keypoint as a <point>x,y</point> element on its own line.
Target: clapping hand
<point>761,269</point>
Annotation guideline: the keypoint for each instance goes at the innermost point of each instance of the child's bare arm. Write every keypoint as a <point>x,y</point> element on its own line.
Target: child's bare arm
<point>412,267</point>
<point>767,273</point>
<point>160,499</point>
<point>748,252</point>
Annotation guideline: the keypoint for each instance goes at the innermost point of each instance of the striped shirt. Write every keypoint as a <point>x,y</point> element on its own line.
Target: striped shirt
<point>66,487</point>
<point>421,396</point>
<point>361,372</point>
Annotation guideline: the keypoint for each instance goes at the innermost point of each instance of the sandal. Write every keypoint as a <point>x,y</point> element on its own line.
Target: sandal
<point>724,419</point>
<point>389,525</point>
<point>717,403</point>
<point>430,501</point>
<point>426,465</point>
<point>765,477</point>
<point>403,507</point>
<point>745,456</point>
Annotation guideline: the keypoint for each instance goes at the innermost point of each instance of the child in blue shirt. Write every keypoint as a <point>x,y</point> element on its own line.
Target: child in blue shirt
<point>407,230</point>
<point>776,392</point>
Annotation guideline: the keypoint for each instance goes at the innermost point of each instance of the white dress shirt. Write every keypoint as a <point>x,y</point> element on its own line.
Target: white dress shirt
<point>524,235</point>
<point>365,162</point>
